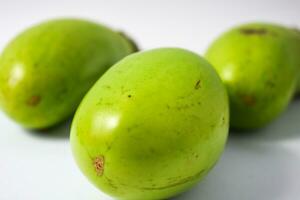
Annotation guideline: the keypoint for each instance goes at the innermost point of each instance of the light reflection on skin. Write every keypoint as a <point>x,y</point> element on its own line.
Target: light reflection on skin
<point>105,122</point>
<point>227,73</point>
<point>16,74</point>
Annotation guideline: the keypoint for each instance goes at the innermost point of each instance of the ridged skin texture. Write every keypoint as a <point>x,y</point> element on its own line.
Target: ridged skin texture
<point>152,126</point>
<point>46,70</point>
<point>258,64</point>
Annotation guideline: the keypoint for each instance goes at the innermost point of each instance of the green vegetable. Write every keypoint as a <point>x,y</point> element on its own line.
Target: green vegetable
<point>259,66</point>
<point>46,70</point>
<point>152,126</point>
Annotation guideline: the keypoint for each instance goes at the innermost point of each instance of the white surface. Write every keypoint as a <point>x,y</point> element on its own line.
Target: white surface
<point>261,166</point>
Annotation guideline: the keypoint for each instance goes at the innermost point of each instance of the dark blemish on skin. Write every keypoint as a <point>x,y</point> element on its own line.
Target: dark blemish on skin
<point>253,31</point>
<point>248,100</point>
<point>195,155</point>
<point>129,96</point>
<point>176,182</point>
<point>34,100</point>
<point>111,183</point>
<point>198,84</point>
<point>99,165</point>
<point>108,147</point>
<point>182,107</point>
<point>270,83</point>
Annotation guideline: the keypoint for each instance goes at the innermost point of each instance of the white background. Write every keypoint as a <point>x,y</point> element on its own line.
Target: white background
<point>261,165</point>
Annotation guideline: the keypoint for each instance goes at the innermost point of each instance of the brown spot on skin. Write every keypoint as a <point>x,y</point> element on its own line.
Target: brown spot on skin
<point>198,84</point>
<point>34,100</point>
<point>248,100</point>
<point>253,31</point>
<point>99,165</point>
<point>129,96</point>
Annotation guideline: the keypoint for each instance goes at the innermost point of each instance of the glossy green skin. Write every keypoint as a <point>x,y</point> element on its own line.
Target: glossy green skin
<point>158,120</point>
<point>46,70</point>
<point>257,63</point>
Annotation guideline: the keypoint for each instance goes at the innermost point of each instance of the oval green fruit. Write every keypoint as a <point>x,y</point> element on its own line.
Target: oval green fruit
<point>46,70</point>
<point>152,126</point>
<point>258,64</point>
